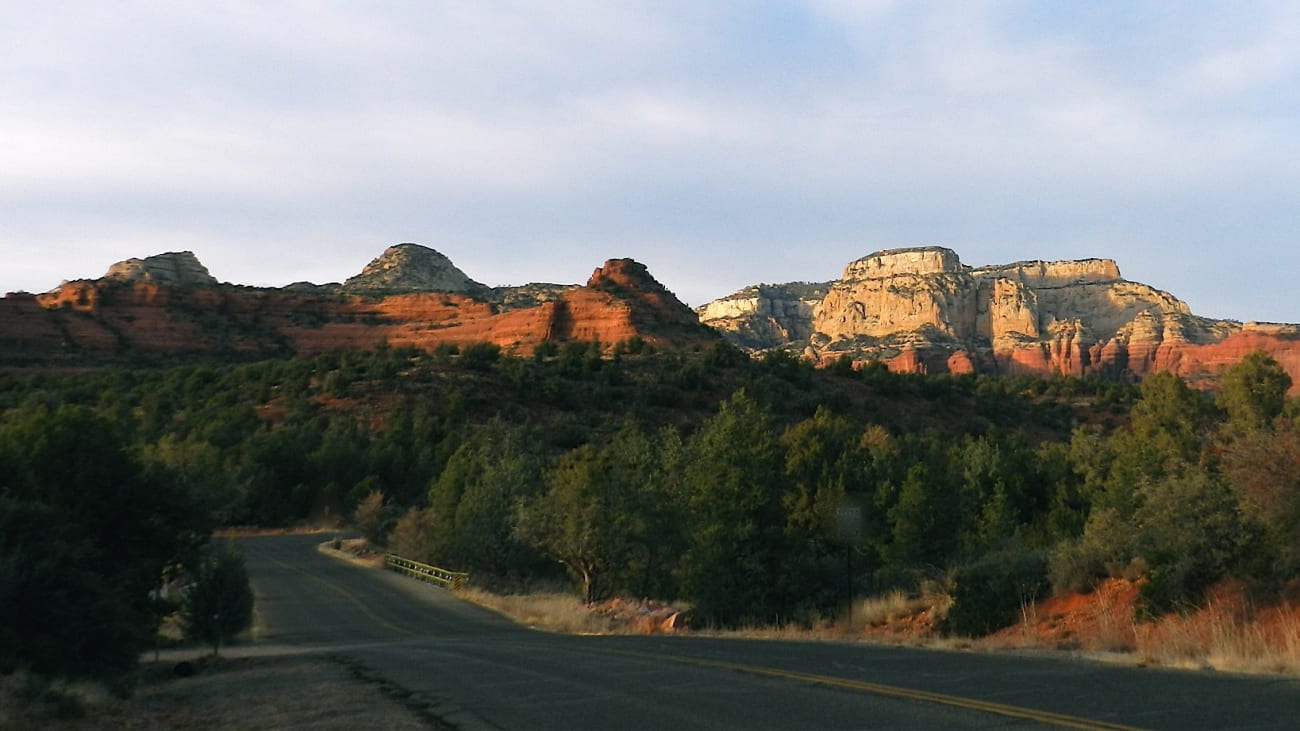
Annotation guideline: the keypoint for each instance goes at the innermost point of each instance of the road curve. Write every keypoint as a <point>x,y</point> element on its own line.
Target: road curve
<point>468,668</point>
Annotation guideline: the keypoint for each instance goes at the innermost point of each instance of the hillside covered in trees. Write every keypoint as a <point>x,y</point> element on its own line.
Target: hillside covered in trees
<point>737,485</point>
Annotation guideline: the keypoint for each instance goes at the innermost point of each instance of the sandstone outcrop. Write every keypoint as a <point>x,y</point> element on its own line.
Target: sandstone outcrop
<point>766,315</point>
<point>412,268</point>
<point>921,309</point>
<point>116,319</point>
<point>181,268</point>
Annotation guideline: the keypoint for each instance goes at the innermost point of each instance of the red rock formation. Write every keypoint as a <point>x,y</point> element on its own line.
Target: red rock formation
<point>109,320</point>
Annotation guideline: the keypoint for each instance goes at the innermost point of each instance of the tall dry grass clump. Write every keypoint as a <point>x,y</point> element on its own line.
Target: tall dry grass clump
<point>874,611</point>
<point>554,612</point>
<point>1226,636</point>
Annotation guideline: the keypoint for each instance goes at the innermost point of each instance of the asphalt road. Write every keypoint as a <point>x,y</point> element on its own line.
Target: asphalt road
<point>465,667</point>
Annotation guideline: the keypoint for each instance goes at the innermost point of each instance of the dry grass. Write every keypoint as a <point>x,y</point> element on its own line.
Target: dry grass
<point>561,612</point>
<point>1228,636</point>
<point>554,612</point>
<point>355,551</point>
<point>889,607</point>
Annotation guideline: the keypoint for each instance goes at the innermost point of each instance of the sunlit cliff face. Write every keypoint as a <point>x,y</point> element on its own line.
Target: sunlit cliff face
<point>921,309</point>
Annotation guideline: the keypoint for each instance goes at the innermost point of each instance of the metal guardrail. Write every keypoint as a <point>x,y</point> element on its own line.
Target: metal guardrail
<point>425,572</point>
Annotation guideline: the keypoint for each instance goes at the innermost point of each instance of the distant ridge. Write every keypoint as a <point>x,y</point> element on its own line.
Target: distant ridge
<point>169,305</point>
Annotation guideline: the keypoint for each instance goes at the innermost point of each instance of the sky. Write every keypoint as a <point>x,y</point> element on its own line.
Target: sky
<point>720,143</point>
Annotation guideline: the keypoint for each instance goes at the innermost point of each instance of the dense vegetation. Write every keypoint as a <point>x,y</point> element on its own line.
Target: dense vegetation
<point>739,485</point>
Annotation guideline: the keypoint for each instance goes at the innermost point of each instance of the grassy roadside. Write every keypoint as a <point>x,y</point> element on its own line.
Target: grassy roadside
<point>1227,634</point>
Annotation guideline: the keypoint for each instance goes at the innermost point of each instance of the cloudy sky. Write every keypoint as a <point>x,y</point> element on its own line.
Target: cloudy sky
<point>721,143</point>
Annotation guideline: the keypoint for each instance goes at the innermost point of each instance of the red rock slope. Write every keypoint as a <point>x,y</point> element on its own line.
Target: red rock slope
<point>113,319</point>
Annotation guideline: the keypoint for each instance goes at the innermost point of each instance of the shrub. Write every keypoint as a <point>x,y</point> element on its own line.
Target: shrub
<point>990,593</point>
<point>219,605</point>
<point>1106,548</point>
<point>374,518</point>
<point>480,356</point>
<point>412,535</point>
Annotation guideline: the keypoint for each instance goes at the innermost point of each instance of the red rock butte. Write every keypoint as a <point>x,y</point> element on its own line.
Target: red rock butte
<point>169,304</point>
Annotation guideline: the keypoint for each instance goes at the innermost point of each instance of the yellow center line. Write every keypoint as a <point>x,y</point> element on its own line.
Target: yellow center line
<point>349,597</point>
<point>891,691</point>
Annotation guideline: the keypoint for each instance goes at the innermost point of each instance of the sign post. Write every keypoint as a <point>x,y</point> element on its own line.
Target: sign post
<point>848,530</point>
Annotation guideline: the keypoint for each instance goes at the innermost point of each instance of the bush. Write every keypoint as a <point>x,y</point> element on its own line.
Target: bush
<point>480,356</point>
<point>412,535</point>
<point>991,593</point>
<point>219,605</point>
<point>1107,547</point>
<point>374,518</point>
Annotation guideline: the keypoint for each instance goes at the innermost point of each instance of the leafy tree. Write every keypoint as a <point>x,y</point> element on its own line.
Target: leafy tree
<point>581,521</point>
<point>1169,426</point>
<point>1253,392</point>
<point>465,467</point>
<point>605,515</point>
<point>1172,419</point>
<point>732,568</point>
<point>85,535</point>
<point>1190,533</point>
<point>1263,470</point>
<point>504,471</point>
<point>219,604</point>
<point>818,454</point>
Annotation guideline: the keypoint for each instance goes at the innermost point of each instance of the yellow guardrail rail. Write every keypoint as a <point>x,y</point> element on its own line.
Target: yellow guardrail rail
<point>425,572</point>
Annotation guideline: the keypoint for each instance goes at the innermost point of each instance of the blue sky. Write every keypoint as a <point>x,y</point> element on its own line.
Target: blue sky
<point>722,144</point>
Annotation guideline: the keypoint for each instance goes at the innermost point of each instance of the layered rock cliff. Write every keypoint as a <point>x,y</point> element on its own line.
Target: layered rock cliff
<point>766,315</point>
<point>425,302</point>
<point>921,309</point>
<point>176,268</point>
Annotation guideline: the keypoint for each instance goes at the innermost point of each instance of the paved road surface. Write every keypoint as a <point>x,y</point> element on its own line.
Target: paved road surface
<point>468,668</point>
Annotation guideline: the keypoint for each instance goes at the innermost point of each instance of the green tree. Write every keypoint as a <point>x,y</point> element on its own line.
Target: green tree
<point>1189,535</point>
<point>465,467</point>
<point>219,604</point>
<point>1253,392</point>
<point>1172,420</point>
<point>1263,469</point>
<point>818,459</point>
<point>1169,426</point>
<point>581,521</point>
<point>733,566</point>
<point>504,471</point>
<point>85,535</point>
